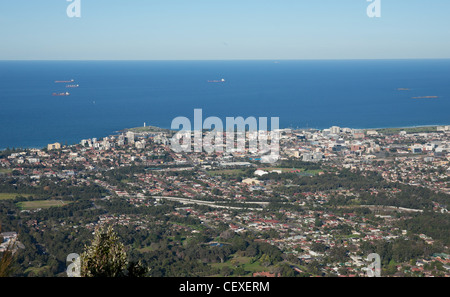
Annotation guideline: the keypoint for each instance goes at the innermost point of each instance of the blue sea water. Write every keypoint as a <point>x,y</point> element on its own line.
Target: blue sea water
<point>113,95</point>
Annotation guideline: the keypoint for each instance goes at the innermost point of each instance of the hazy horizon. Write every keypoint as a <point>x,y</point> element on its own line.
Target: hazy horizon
<point>231,30</point>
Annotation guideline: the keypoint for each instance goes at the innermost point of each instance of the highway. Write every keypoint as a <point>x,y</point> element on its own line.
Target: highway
<point>210,203</point>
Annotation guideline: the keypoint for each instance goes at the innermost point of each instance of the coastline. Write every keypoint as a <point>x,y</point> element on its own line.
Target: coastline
<point>292,91</point>
<point>158,129</point>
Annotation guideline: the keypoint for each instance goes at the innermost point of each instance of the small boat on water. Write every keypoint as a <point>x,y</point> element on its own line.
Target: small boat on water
<point>217,81</point>
<point>61,94</point>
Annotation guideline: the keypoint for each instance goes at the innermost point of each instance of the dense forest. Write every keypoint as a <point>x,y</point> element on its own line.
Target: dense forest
<point>435,225</point>
<point>50,188</point>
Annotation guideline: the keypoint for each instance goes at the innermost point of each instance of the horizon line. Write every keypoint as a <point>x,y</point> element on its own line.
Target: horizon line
<point>180,60</point>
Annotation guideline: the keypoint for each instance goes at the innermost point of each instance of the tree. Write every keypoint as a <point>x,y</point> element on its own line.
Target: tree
<point>284,270</point>
<point>227,271</point>
<point>391,268</point>
<point>319,247</point>
<point>106,257</point>
<point>265,260</point>
<point>6,259</point>
<point>240,271</point>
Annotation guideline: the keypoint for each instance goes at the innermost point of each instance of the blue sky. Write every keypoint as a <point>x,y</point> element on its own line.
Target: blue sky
<point>227,29</point>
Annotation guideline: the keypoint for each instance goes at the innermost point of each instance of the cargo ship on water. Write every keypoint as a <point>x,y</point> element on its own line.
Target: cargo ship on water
<point>426,97</point>
<point>216,81</point>
<point>64,81</point>
<point>61,94</point>
<point>72,86</point>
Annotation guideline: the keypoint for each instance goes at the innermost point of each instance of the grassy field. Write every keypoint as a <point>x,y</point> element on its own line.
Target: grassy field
<point>236,172</point>
<point>34,271</point>
<point>287,170</point>
<point>226,172</point>
<point>28,205</point>
<point>147,249</point>
<point>311,172</point>
<point>147,129</point>
<point>424,129</point>
<point>6,196</point>
<point>244,262</point>
<point>3,170</point>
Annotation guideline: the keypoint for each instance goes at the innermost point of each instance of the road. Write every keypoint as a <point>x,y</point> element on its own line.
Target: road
<point>210,203</point>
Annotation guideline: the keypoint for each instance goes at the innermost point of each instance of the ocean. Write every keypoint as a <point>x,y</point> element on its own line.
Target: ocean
<point>113,95</point>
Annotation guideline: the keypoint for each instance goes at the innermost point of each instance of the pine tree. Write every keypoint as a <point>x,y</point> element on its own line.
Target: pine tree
<point>106,257</point>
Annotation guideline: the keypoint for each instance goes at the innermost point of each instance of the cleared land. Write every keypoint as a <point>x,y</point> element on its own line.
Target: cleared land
<point>236,172</point>
<point>28,205</point>
<point>6,196</point>
<point>246,263</point>
<point>226,172</point>
<point>422,129</point>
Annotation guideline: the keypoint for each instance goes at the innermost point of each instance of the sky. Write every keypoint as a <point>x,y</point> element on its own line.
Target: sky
<point>223,30</point>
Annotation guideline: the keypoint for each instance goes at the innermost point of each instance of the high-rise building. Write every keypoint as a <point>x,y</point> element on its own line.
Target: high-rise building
<point>130,137</point>
<point>54,146</point>
<point>121,140</point>
<point>335,130</point>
